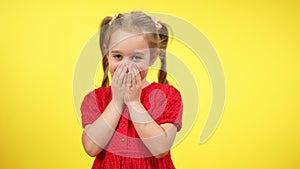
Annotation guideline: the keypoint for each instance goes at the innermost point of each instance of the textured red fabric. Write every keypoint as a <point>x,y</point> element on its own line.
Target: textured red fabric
<point>126,150</point>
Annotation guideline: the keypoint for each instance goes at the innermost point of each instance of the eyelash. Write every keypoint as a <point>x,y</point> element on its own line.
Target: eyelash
<point>118,56</point>
<point>137,57</point>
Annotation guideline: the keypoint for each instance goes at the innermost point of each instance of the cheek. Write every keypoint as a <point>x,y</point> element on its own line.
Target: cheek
<point>112,68</point>
<point>143,66</point>
<point>143,73</point>
<point>143,69</point>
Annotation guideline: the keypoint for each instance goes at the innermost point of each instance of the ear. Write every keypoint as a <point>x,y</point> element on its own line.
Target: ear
<point>154,56</point>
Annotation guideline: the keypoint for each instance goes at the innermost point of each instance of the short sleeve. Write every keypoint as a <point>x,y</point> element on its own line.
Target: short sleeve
<point>89,108</point>
<point>173,109</point>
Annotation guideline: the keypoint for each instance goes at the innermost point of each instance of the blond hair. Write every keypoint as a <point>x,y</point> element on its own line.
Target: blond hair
<point>155,32</point>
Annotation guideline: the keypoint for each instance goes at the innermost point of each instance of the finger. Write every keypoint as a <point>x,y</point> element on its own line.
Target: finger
<point>129,80</point>
<point>134,69</point>
<point>119,68</point>
<point>124,83</point>
<point>134,80</point>
<point>118,71</point>
<point>137,76</point>
<point>122,75</point>
<point>132,73</point>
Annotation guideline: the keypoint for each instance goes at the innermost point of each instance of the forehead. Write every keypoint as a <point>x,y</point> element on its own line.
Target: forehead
<point>127,42</point>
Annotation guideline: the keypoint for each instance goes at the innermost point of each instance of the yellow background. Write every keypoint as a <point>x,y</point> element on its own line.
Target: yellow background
<point>258,45</point>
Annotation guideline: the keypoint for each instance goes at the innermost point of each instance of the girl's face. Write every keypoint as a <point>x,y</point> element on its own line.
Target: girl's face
<point>127,48</point>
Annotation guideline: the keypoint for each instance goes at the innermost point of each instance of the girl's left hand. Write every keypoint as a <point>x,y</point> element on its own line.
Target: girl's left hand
<point>134,85</point>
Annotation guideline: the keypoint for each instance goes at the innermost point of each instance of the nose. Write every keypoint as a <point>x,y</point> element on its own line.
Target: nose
<point>126,61</point>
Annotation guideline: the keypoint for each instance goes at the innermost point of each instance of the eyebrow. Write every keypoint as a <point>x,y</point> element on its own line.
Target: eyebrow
<point>116,51</point>
<point>140,53</point>
<point>136,52</point>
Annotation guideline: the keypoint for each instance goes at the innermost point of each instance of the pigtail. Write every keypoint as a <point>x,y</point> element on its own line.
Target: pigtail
<point>103,29</point>
<point>164,37</point>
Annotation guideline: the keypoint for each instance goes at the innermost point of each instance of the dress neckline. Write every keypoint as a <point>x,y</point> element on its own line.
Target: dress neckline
<point>148,85</point>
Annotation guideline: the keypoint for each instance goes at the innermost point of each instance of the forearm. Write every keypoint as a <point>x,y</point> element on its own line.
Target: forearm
<point>157,138</point>
<point>96,135</point>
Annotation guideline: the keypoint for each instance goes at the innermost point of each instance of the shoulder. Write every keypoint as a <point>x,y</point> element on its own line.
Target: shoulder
<point>99,96</point>
<point>102,91</point>
<point>169,103</point>
<point>168,89</point>
<point>98,93</point>
<point>104,96</point>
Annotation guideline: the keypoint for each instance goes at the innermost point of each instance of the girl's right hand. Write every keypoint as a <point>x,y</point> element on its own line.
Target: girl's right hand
<point>118,87</point>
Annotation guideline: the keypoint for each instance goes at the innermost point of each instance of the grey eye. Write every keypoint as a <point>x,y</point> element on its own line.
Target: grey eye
<point>136,57</point>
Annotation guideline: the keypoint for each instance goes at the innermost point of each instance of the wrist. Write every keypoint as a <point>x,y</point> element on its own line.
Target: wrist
<point>134,104</point>
<point>138,113</point>
<point>117,105</point>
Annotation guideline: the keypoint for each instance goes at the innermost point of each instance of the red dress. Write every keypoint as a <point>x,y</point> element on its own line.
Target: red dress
<point>125,150</point>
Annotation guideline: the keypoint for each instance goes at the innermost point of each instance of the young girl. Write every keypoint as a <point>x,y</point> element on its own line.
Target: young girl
<point>132,123</point>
